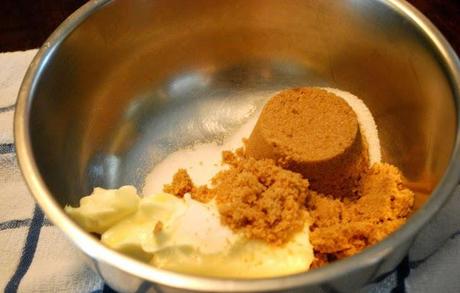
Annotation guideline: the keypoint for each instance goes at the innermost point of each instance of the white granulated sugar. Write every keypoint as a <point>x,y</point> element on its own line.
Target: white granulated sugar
<point>366,123</point>
<point>202,161</point>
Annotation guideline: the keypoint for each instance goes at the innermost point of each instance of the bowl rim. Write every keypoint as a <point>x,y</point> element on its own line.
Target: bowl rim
<point>100,253</point>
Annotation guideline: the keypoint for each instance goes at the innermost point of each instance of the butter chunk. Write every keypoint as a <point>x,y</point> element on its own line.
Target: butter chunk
<point>104,208</point>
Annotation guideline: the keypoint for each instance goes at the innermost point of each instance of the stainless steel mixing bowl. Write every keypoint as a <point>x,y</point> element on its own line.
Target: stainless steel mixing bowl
<point>120,84</point>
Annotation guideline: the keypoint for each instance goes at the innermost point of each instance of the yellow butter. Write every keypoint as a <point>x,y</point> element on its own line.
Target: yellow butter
<point>104,208</point>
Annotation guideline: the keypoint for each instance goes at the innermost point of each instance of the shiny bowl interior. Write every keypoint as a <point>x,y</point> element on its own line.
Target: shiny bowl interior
<point>121,84</point>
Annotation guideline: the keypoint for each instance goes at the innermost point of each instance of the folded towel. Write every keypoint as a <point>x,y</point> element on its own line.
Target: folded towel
<point>36,257</point>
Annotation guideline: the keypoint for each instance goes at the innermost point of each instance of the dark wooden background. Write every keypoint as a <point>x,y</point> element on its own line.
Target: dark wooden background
<point>25,24</point>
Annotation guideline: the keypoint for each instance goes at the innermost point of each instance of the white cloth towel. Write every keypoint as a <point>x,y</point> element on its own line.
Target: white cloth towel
<point>36,257</point>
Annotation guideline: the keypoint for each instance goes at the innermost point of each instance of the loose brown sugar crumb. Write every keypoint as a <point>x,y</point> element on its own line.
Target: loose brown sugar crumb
<point>158,227</point>
<point>254,197</point>
<point>260,199</point>
<point>180,185</point>
<point>384,197</point>
<point>343,229</point>
<point>202,194</point>
<point>322,259</point>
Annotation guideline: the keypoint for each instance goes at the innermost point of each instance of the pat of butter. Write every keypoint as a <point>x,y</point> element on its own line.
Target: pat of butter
<point>136,234</point>
<point>104,208</point>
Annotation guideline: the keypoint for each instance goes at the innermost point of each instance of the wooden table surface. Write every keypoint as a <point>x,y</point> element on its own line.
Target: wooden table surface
<point>25,24</point>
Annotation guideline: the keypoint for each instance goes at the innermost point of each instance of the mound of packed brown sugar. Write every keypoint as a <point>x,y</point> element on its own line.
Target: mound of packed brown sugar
<point>342,229</point>
<point>315,133</point>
